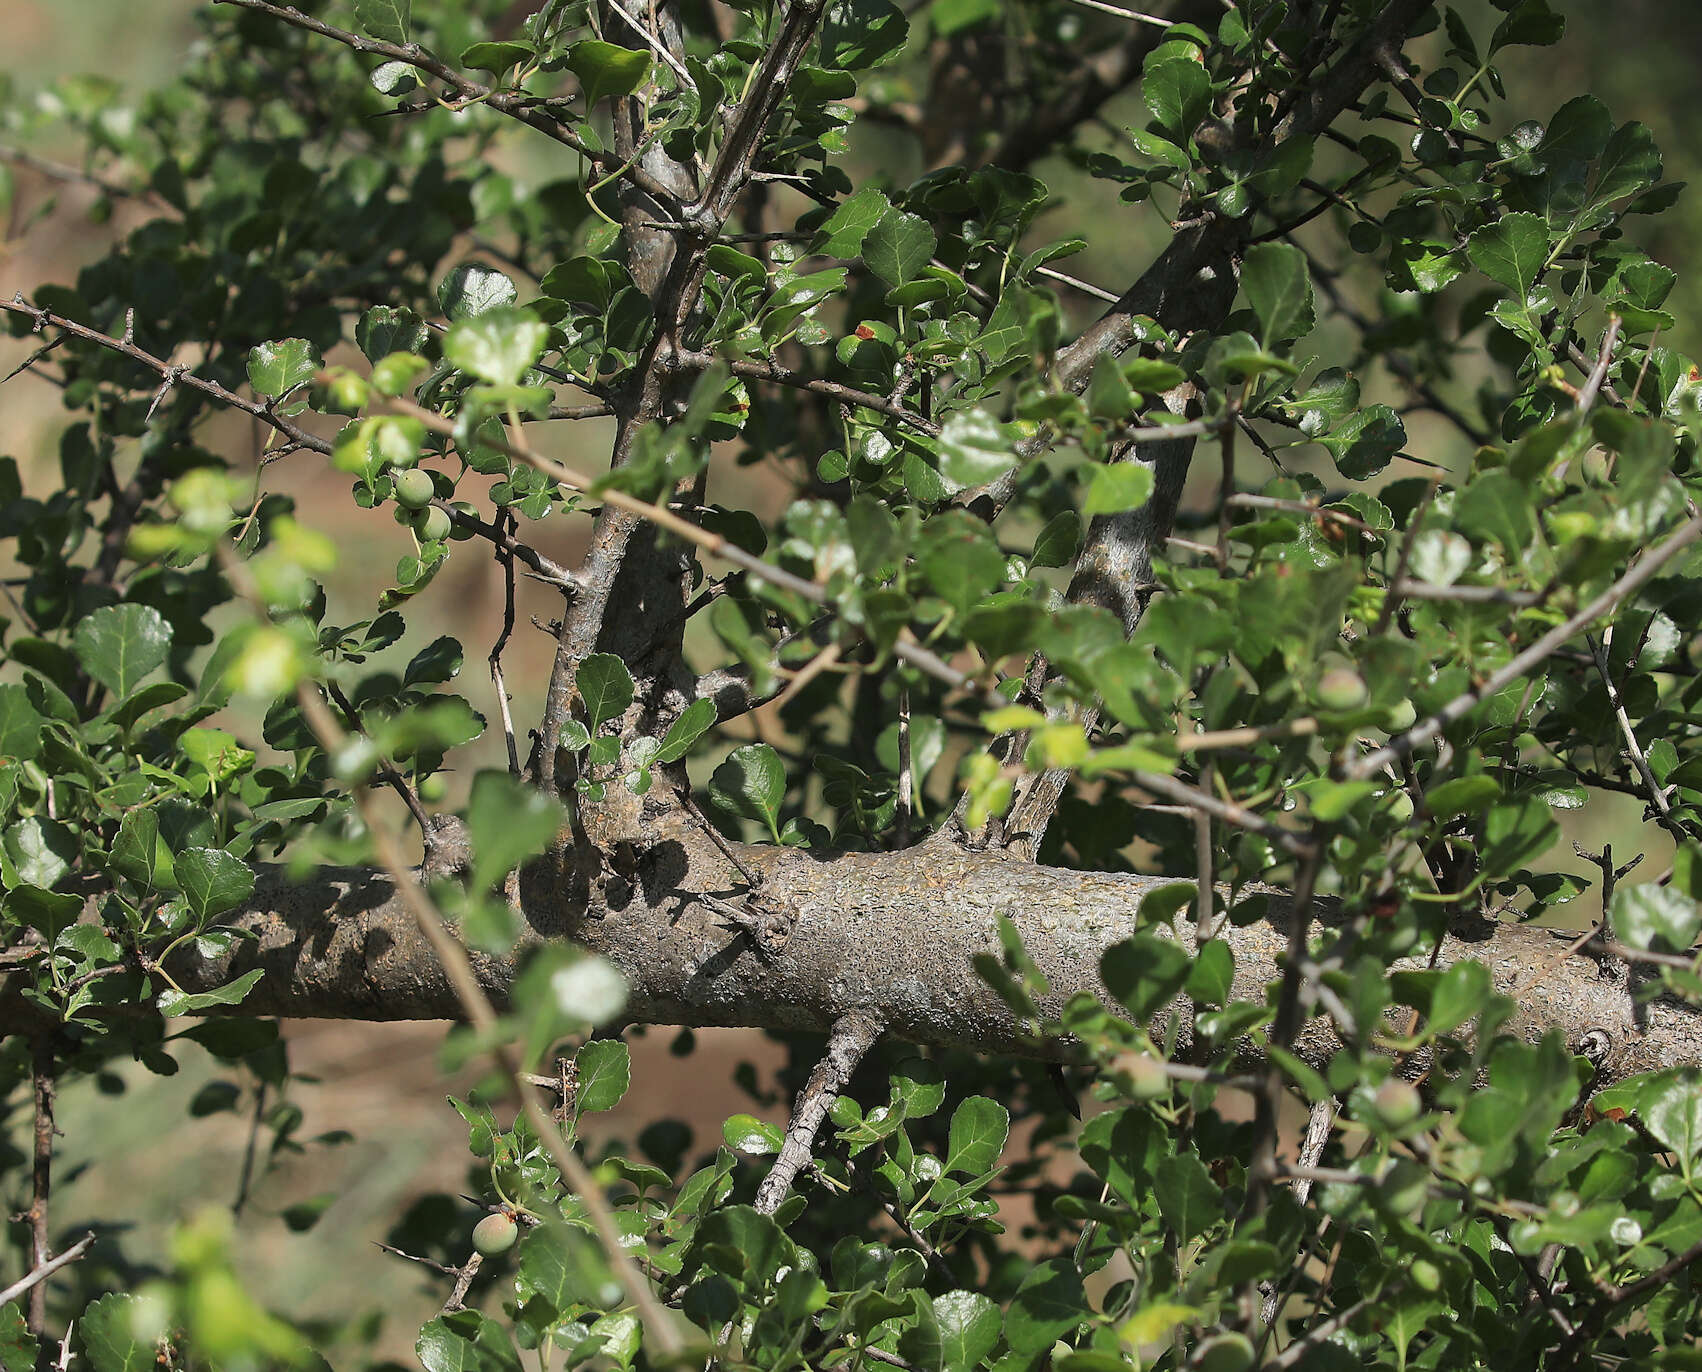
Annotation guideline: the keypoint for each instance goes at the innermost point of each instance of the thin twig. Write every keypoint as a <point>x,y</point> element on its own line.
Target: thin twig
<point>387,769</point>
<point>32,1281</point>
<point>1657,793</point>
<point>1230,813</point>
<point>1598,373</point>
<point>833,390</point>
<point>468,92</point>
<point>176,375</point>
<point>1426,729</point>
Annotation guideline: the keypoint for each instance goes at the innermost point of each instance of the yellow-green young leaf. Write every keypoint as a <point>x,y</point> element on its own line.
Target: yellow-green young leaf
<point>1059,745</point>
<point>1116,487</point>
<point>1127,757</point>
<point>1009,718</point>
<point>1153,1323</point>
<point>498,345</point>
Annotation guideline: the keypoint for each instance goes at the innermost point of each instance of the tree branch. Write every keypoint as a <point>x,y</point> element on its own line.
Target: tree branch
<point>893,935</point>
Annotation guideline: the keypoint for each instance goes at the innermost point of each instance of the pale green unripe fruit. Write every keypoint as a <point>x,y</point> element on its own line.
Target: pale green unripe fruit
<point>1224,1353</point>
<point>432,524</point>
<point>1342,688</point>
<point>414,488</point>
<point>1426,1275</point>
<point>1398,1102</point>
<point>495,1234</point>
<point>1400,716</point>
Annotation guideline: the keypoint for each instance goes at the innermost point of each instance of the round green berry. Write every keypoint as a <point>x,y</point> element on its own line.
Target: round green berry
<point>495,1234</point>
<point>432,524</point>
<point>414,488</point>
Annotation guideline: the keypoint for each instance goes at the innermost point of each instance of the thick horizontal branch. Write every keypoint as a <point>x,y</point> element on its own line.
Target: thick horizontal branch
<point>890,935</point>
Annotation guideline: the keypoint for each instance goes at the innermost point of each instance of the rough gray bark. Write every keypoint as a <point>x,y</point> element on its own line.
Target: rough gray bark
<point>892,935</point>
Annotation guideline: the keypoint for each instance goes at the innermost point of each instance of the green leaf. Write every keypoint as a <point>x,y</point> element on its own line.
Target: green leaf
<point>108,1330</point>
<point>1144,971</point>
<point>41,849</point>
<point>979,1127</point>
<point>278,368</point>
<point>499,345</point>
<point>752,784</point>
<point>605,70</point>
<point>121,644</point>
<point>751,1136</point>
<point>1459,994</point>
<point>1497,505</point>
<point>1190,1201</point>
<point>1117,486</point>
<point>1673,1113</point>
<point>18,1347</point>
<point>605,686</point>
<point>605,1071</point>
<point>1630,163</point>
<point>212,881</point>
<point>496,57</point>
<point>173,1003</point>
<point>49,913</point>
<point>20,725</point>
<point>857,34</point>
<point>136,850</point>
<point>969,1328</point>
<point>385,329</point>
<point>898,247</point>
<point>1178,93</point>
<point>1212,974</point>
<point>975,449</point>
<point>467,1341</point>
<point>1109,395</point>
<point>849,225</point>
<point>694,721</point>
<point>386,20</point>
<point>1056,544</point>
<point>960,559</point>
<point>1279,288</point>
<point>1656,918</point>
<point>1512,251</point>
<point>1049,1304</point>
<point>473,289</point>
<point>1364,443</point>
<point>507,823</point>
